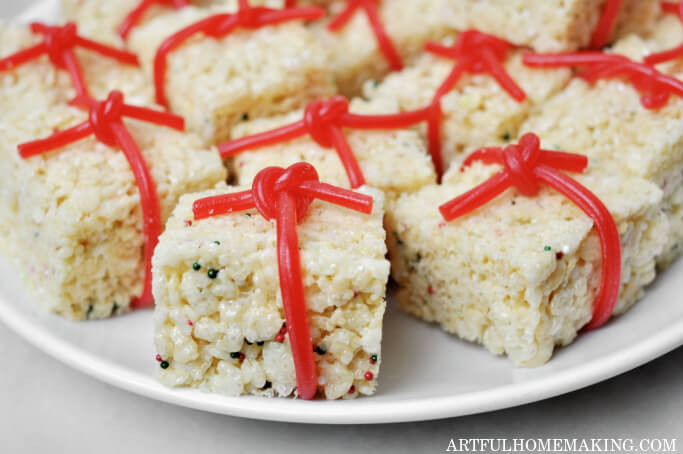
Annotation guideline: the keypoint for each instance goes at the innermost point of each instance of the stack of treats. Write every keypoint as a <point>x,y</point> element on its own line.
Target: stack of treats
<point>514,166</point>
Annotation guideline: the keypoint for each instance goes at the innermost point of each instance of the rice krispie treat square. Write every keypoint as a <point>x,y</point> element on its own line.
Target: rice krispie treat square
<point>477,112</point>
<point>355,53</point>
<point>519,275</point>
<point>394,161</point>
<point>72,218</point>
<point>103,19</point>
<point>40,84</point>
<point>608,123</point>
<point>216,83</point>
<point>557,25</point>
<point>219,311</point>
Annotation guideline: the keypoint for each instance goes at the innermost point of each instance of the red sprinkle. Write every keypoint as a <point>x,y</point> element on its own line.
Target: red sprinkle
<point>189,322</point>
<point>384,42</point>
<point>221,25</point>
<point>242,356</point>
<point>430,290</point>
<point>188,223</point>
<point>105,122</point>
<point>526,166</point>
<point>654,86</point>
<point>285,195</point>
<point>369,376</point>
<point>159,358</point>
<point>59,44</point>
<point>323,121</point>
<point>352,389</point>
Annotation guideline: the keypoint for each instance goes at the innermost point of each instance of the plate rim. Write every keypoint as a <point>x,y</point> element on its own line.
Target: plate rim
<point>344,412</point>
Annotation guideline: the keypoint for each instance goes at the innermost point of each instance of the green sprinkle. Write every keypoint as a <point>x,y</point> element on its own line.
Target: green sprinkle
<point>164,364</point>
<point>217,242</point>
<point>320,350</point>
<point>507,136</point>
<point>235,355</point>
<point>90,309</point>
<point>196,266</point>
<point>260,343</point>
<point>247,341</point>
<point>114,308</point>
<point>547,248</point>
<point>248,215</point>
<point>374,358</point>
<point>268,385</point>
<point>245,116</point>
<point>418,257</point>
<point>375,83</point>
<point>213,274</point>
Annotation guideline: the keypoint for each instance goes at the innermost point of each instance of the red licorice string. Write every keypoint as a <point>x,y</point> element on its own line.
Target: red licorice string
<point>475,53</point>
<point>135,16</point>
<point>605,27</point>
<point>526,167</point>
<point>654,87</point>
<point>670,54</point>
<point>284,196</point>
<point>59,44</point>
<point>221,25</point>
<point>384,42</point>
<point>105,122</point>
<point>323,121</point>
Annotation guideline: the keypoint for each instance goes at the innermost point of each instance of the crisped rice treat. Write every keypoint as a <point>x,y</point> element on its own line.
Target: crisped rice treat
<point>478,111</point>
<point>219,309</point>
<point>519,275</point>
<point>101,18</point>
<point>608,123</point>
<point>215,83</point>
<point>39,84</point>
<point>556,25</point>
<point>71,219</point>
<point>354,52</point>
<point>394,161</point>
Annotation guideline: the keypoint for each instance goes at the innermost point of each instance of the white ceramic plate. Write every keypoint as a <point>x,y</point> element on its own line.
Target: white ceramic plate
<point>426,374</point>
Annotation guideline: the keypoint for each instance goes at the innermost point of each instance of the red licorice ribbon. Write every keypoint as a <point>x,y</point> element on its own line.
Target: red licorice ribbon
<point>606,24</point>
<point>59,44</point>
<point>654,86</point>
<point>323,121</point>
<point>670,54</point>
<point>105,121</point>
<point>475,53</point>
<point>135,16</point>
<point>526,167</point>
<point>221,25</point>
<point>384,41</point>
<point>284,196</point>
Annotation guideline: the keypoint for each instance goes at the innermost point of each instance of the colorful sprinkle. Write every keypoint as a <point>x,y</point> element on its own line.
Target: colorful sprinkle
<point>217,242</point>
<point>430,290</point>
<point>189,322</point>
<point>352,389</point>
<point>246,341</point>
<point>280,338</point>
<point>159,358</point>
<point>196,266</point>
<point>559,255</point>
<point>260,343</point>
<point>547,248</point>
<point>235,355</point>
<point>369,376</point>
<point>320,350</point>
<point>267,385</point>
<point>164,364</point>
<point>213,274</point>
<point>373,359</point>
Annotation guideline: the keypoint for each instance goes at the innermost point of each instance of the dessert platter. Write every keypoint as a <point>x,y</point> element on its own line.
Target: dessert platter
<point>344,211</point>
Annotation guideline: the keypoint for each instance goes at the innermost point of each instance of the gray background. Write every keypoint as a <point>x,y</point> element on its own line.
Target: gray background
<point>48,407</point>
